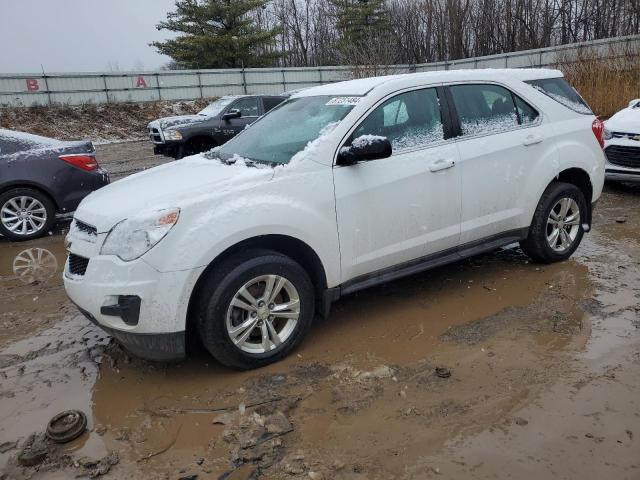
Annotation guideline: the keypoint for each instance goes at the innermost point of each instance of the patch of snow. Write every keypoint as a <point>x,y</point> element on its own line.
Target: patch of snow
<point>418,137</point>
<point>483,126</point>
<point>366,140</point>
<point>311,147</point>
<point>567,102</point>
<point>28,139</point>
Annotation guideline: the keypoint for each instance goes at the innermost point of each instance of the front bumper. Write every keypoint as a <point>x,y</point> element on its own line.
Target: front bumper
<point>158,331</point>
<point>163,347</point>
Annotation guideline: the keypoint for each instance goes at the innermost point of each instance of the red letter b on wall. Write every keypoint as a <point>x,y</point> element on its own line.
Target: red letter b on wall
<point>32,84</point>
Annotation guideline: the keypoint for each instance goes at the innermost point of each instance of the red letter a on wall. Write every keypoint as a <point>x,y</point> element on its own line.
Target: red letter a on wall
<point>141,82</point>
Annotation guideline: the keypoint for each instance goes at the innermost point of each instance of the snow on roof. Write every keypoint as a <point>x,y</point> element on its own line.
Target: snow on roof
<point>364,85</point>
<point>34,141</point>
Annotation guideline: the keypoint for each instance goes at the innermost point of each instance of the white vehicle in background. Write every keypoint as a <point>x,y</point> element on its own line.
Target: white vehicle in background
<point>622,144</point>
<point>339,188</point>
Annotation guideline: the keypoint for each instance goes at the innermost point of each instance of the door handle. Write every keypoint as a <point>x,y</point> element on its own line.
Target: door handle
<point>441,164</point>
<point>532,140</point>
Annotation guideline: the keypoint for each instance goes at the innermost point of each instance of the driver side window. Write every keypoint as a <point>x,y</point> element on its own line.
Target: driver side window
<point>248,107</point>
<point>409,120</point>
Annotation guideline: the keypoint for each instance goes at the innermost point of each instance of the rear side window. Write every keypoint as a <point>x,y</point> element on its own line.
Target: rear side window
<point>563,93</point>
<point>408,120</point>
<point>484,109</point>
<point>271,102</point>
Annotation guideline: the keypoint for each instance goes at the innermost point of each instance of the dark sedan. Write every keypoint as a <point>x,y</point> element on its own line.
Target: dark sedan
<point>42,180</point>
<point>220,121</point>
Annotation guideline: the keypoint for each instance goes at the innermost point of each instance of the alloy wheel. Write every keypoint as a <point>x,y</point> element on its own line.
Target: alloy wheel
<point>23,215</point>
<point>563,224</point>
<point>263,314</point>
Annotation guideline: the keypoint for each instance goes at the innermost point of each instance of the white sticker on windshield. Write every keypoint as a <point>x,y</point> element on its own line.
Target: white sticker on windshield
<point>344,101</point>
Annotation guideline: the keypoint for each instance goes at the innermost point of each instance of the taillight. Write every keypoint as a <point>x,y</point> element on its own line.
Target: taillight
<point>82,161</point>
<point>598,130</point>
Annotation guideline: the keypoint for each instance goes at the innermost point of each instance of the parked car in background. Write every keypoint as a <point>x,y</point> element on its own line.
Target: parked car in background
<point>342,187</point>
<point>41,180</point>
<point>220,121</point>
<point>622,144</point>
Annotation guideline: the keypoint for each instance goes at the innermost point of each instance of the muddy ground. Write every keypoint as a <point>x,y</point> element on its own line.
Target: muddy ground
<point>544,382</point>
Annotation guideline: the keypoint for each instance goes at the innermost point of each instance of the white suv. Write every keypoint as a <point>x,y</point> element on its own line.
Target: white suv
<point>341,187</point>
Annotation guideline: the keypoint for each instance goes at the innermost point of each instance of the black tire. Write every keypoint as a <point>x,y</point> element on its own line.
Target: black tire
<point>536,245</point>
<point>218,290</point>
<point>40,197</point>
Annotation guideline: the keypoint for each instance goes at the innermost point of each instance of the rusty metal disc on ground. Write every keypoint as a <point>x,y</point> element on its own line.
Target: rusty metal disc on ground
<point>67,426</point>
<point>443,372</point>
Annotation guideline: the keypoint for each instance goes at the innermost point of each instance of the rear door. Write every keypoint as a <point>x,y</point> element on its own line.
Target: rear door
<point>500,140</point>
<point>398,209</point>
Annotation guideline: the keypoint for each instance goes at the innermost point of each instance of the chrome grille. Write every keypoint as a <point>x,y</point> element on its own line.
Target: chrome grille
<point>86,228</point>
<point>630,136</point>
<point>155,135</point>
<point>623,156</point>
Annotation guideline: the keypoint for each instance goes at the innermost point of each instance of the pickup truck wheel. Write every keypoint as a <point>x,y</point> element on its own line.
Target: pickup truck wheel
<point>556,229</point>
<point>255,308</point>
<point>25,214</point>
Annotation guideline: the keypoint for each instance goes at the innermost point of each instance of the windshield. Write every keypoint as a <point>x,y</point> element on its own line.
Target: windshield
<point>216,107</point>
<point>287,129</point>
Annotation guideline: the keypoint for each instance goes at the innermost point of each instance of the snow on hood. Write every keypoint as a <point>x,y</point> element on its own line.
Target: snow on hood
<point>179,120</point>
<point>626,120</point>
<point>175,184</point>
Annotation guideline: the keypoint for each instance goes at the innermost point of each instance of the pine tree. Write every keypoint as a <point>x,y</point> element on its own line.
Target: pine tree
<point>217,34</point>
<point>359,20</point>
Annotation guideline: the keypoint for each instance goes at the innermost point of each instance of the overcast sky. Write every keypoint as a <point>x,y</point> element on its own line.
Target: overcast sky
<point>80,35</point>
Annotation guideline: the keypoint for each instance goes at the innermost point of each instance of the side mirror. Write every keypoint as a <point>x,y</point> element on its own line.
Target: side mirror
<point>634,103</point>
<point>234,113</point>
<point>365,147</point>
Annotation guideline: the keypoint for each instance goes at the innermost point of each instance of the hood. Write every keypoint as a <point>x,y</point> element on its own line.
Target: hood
<point>626,120</point>
<point>175,184</point>
<point>179,120</point>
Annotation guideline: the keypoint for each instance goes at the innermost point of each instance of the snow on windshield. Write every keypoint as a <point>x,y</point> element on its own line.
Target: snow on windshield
<point>288,129</point>
<point>216,107</point>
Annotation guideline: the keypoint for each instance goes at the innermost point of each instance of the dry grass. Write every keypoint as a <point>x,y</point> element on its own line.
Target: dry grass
<point>607,84</point>
<point>94,122</point>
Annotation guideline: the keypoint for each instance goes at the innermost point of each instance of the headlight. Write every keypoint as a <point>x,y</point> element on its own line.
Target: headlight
<point>135,236</point>
<point>172,135</point>
<point>606,133</point>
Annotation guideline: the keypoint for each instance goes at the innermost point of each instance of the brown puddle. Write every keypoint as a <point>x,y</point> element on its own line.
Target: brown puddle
<point>405,326</point>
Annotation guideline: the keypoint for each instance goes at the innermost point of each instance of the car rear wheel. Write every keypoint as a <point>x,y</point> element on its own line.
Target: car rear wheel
<point>556,229</point>
<point>25,213</point>
<point>255,307</point>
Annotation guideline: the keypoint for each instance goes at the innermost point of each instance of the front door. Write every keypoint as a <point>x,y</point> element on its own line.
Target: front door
<point>249,109</point>
<point>398,209</point>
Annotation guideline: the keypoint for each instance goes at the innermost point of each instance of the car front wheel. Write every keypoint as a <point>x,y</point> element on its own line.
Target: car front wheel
<point>556,229</point>
<point>255,307</point>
